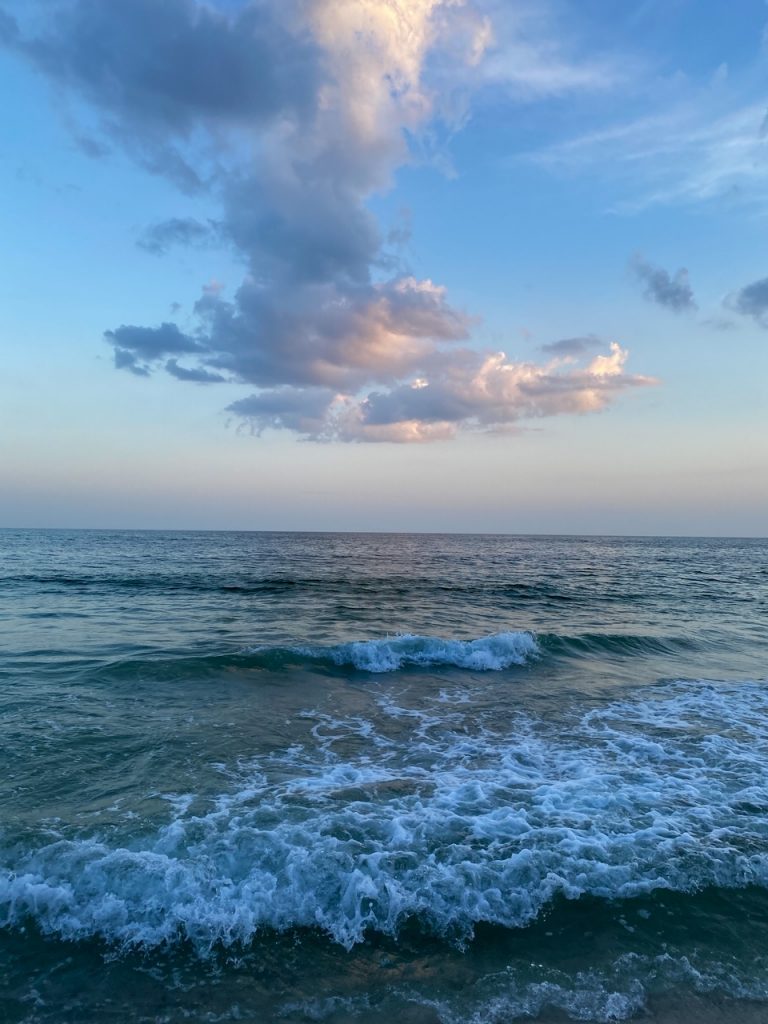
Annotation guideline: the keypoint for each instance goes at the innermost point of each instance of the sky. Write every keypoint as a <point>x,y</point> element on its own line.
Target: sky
<point>438,265</point>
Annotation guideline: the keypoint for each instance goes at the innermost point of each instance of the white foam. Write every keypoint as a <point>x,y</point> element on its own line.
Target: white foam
<point>451,823</point>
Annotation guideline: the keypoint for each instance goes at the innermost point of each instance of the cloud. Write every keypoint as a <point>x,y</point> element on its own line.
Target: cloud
<point>196,375</point>
<point>488,391</point>
<point>125,360</point>
<point>527,55</point>
<point>157,72</point>
<point>571,346</point>
<point>329,337</point>
<point>138,348</point>
<point>707,145</point>
<point>671,292</point>
<point>468,389</point>
<point>294,114</point>
<point>303,410</point>
<point>752,300</point>
<point>185,231</point>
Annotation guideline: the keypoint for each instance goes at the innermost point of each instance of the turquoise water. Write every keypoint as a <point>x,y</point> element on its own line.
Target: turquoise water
<point>338,777</point>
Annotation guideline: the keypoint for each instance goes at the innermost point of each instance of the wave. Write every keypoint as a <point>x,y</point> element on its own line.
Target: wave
<point>619,644</point>
<point>276,585</point>
<point>404,651</point>
<point>162,582</point>
<point>486,654</point>
<point>428,821</point>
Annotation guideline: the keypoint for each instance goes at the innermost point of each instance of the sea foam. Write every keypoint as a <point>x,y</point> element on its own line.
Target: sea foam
<point>451,824</point>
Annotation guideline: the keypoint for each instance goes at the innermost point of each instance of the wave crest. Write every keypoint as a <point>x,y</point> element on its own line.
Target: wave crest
<point>486,654</point>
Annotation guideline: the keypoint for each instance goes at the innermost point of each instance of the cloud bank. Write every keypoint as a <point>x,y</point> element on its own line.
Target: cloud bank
<point>293,114</point>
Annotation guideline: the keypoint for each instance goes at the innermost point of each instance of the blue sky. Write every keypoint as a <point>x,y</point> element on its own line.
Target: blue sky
<point>487,266</point>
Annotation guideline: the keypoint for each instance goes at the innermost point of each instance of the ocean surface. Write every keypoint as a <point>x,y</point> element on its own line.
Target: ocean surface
<point>365,778</point>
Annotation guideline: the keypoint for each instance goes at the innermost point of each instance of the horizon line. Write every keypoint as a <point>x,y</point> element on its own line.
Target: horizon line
<point>387,533</point>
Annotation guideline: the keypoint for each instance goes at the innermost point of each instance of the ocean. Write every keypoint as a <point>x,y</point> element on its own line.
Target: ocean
<point>357,778</point>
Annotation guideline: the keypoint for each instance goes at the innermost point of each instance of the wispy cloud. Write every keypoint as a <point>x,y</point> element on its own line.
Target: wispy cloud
<point>529,56</point>
<point>182,231</point>
<point>708,146</point>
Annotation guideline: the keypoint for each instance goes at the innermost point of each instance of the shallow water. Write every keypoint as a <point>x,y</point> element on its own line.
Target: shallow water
<point>340,777</point>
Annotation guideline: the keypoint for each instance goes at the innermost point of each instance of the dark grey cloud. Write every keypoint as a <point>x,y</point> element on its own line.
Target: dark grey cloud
<point>197,375</point>
<point>331,337</point>
<point>752,300</point>
<point>183,231</point>
<point>157,71</point>
<point>303,229</point>
<point>153,342</point>
<point>137,349</point>
<point>304,410</point>
<point>126,360</point>
<point>166,65</point>
<point>433,403</point>
<point>571,346</point>
<point>670,291</point>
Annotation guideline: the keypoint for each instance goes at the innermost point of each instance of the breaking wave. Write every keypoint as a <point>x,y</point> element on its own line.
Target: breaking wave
<point>451,825</point>
<point>486,654</point>
<point>403,651</point>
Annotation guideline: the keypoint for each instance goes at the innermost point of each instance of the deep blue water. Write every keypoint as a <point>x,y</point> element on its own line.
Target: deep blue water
<point>294,777</point>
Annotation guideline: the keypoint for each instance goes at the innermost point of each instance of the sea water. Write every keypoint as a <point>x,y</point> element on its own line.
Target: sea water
<point>335,777</point>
